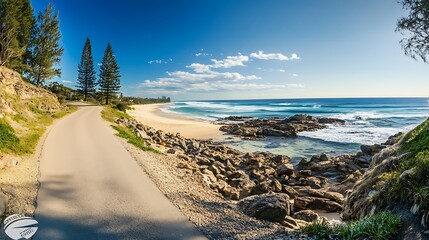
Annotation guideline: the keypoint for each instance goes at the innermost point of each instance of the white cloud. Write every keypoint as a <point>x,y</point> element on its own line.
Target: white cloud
<point>157,61</point>
<point>273,56</point>
<point>282,70</point>
<point>209,77</point>
<point>295,85</point>
<point>294,56</point>
<point>160,61</point>
<point>230,61</point>
<point>294,75</point>
<point>66,81</point>
<point>201,54</point>
<point>199,68</point>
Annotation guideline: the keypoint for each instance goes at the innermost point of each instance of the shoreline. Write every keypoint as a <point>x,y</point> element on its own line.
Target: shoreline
<point>153,116</point>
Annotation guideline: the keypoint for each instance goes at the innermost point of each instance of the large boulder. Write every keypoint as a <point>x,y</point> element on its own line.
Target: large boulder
<point>285,169</point>
<point>315,203</point>
<point>371,149</point>
<point>272,207</point>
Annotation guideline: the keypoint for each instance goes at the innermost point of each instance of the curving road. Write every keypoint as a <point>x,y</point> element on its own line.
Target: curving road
<point>91,188</point>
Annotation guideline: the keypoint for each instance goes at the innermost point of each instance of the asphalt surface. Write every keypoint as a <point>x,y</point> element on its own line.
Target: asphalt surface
<point>91,188</point>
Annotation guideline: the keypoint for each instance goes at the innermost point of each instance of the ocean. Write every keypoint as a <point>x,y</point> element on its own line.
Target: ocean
<point>369,121</point>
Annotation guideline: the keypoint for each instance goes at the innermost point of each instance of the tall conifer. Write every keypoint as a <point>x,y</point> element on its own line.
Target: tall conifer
<point>86,80</point>
<point>109,75</point>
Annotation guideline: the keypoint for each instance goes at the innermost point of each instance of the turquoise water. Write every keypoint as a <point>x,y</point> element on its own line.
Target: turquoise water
<point>369,121</point>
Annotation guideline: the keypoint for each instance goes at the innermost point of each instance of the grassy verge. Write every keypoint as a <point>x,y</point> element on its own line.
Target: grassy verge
<point>24,140</point>
<point>111,114</point>
<point>381,226</point>
<point>412,188</point>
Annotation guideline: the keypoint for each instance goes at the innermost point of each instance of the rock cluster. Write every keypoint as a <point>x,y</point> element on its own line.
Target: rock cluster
<point>11,84</point>
<point>267,186</point>
<point>252,128</point>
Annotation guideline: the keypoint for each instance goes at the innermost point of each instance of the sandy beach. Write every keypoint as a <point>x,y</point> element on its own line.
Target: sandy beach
<point>152,115</point>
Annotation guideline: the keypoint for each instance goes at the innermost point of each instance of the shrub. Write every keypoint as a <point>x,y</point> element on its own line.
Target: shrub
<point>8,140</point>
<point>121,107</point>
<point>381,226</point>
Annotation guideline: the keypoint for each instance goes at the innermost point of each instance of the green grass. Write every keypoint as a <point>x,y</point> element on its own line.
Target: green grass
<point>9,141</point>
<point>25,142</point>
<point>414,188</point>
<point>381,226</point>
<point>19,118</point>
<point>111,114</point>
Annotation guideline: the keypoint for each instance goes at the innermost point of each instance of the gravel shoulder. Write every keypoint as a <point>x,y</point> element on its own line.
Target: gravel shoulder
<point>19,184</point>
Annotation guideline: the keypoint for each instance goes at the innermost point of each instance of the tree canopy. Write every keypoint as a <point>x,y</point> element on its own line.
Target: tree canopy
<point>45,49</point>
<point>416,27</point>
<point>16,23</point>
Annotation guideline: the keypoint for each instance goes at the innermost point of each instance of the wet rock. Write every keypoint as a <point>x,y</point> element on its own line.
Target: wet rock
<point>272,207</point>
<point>289,127</point>
<point>371,149</point>
<point>304,173</point>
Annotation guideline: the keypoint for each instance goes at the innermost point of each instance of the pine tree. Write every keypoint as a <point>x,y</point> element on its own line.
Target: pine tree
<point>86,73</point>
<point>109,75</point>
<point>16,23</point>
<point>45,47</point>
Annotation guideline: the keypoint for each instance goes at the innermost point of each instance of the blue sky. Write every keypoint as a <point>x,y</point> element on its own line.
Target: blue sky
<point>244,49</point>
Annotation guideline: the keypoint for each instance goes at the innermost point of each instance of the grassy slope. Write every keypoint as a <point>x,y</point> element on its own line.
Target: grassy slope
<point>111,114</point>
<point>21,130</point>
<point>24,139</point>
<point>412,188</point>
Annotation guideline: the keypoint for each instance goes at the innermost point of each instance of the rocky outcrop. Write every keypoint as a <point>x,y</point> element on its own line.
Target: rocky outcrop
<point>259,128</point>
<point>259,178</point>
<point>262,181</point>
<point>16,95</point>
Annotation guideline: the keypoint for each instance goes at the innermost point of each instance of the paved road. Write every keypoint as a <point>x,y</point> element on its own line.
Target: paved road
<point>91,188</point>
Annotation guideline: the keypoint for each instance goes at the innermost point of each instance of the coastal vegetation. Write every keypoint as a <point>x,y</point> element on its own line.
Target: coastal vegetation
<point>111,114</point>
<point>416,27</point>
<point>381,226</point>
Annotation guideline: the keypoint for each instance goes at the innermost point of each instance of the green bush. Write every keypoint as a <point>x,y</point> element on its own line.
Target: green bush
<point>8,140</point>
<point>121,107</point>
<point>381,226</point>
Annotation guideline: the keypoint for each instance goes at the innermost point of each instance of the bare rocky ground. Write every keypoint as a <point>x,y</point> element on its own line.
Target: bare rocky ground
<point>215,216</point>
<point>19,184</point>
